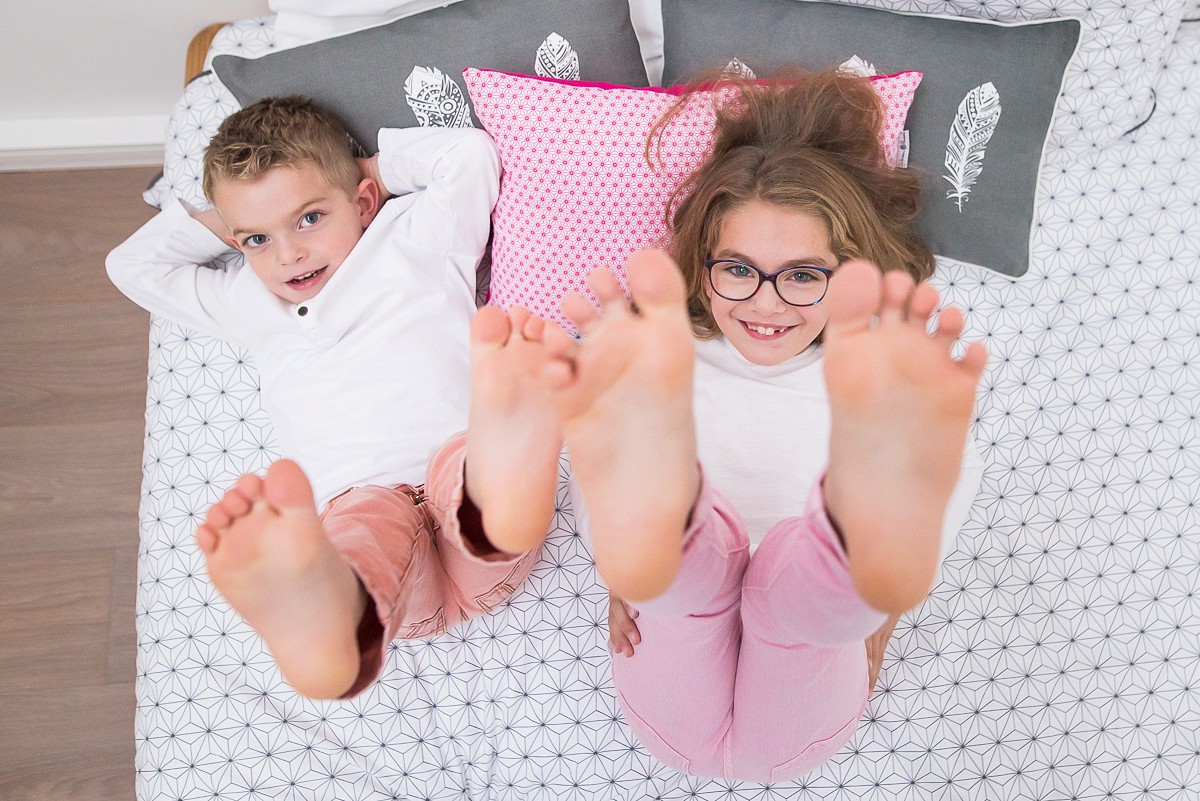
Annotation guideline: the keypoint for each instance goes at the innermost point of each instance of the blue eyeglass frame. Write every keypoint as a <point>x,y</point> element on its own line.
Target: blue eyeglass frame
<point>768,278</point>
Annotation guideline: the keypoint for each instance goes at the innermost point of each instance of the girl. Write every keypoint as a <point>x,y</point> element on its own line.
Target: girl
<point>770,515</point>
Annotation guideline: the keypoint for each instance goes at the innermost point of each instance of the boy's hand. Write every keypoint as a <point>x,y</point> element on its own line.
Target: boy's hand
<point>212,221</point>
<point>370,169</point>
<point>622,631</point>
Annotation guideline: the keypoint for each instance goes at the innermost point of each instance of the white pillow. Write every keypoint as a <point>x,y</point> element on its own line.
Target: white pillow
<point>302,21</point>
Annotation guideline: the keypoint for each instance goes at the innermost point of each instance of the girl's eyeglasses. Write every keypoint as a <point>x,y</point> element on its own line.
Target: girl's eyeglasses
<point>796,286</point>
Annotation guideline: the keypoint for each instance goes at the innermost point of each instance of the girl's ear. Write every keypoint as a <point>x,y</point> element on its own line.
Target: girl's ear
<point>366,197</point>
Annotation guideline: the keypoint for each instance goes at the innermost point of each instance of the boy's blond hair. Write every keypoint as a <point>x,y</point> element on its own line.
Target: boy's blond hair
<point>280,132</point>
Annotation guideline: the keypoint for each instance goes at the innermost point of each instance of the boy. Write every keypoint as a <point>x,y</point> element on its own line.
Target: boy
<point>356,313</point>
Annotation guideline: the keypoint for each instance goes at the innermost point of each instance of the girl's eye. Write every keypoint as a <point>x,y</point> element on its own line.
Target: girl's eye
<point>255,240</point>
<point>311,218</point>
<point>737,270</point>
<point>801,277</point>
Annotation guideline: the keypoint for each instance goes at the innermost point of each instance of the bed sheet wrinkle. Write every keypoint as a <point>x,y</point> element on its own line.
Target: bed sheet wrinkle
<point>1055,659</point>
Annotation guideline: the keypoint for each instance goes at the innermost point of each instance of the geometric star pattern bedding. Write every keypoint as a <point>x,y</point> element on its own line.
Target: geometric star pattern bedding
<point>1058,658</point>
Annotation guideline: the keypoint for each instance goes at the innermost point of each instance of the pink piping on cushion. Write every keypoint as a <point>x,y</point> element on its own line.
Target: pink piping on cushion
<point>668,90</point>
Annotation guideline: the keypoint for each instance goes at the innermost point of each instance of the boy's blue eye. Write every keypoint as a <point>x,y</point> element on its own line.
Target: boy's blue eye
<point>311,218</point>
<point>255,240</point>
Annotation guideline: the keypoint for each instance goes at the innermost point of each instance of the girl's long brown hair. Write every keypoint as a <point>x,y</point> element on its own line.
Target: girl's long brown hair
<point>808,141</point>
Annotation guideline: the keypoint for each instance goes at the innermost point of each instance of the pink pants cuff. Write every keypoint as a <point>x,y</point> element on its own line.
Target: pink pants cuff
<point>412,557</point>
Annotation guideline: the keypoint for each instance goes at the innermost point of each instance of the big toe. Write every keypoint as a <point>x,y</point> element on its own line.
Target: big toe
<point>489,327</point>
<point>655,280</point>
<point>286,487</point>
<point>854,295</point>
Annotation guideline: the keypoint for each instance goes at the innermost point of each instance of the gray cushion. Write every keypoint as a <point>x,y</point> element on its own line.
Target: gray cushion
<point>361,76</point>
<point>1023,63</point>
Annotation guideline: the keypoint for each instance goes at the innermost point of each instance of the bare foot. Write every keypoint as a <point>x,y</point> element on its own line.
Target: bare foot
<point>513,434</point>
<point>625,396</point>
<point>900,407</point>
<point>268,555</point>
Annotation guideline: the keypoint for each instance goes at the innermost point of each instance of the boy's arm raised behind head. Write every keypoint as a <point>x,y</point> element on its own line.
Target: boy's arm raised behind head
<point>453,178</point>
<point>162,268</point>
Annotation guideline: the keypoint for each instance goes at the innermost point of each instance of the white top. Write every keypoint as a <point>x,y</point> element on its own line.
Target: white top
<point>374,377</point>
<point>763,437</point>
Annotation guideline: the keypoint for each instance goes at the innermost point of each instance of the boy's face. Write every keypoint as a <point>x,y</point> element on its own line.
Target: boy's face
<point>294,227</point>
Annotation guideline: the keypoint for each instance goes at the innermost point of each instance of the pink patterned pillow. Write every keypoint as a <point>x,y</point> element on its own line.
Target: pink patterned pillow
<point>577,191</point>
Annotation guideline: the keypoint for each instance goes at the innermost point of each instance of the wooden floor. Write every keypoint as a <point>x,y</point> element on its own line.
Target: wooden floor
<point>72,398</point>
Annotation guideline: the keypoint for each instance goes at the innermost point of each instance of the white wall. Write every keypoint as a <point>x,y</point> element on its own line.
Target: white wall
<point>91,82</point>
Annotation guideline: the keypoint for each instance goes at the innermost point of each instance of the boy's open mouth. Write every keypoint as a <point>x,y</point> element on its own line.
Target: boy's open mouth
<point>300,280</point>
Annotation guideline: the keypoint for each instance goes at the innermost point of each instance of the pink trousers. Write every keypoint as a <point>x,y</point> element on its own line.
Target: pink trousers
<point>750,667</point>
<point>417,553</point>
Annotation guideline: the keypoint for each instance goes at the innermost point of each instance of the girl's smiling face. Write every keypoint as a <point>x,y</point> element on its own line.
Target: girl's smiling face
<point>764,329</point>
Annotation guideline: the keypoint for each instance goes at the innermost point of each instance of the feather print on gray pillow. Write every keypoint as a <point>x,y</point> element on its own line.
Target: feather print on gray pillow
<point>435,100</point>
<point>557,59</point>
<point>973,126</point>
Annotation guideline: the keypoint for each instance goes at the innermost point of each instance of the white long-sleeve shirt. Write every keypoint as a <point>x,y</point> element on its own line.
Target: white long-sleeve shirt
<point>366,380</point>
<point>762,434</point>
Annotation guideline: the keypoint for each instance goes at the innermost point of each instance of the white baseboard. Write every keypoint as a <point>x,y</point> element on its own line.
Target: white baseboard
<point>82,143</point>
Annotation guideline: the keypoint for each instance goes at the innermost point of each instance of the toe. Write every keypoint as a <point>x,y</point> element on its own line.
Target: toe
<point>489,328</point>
<point>579,311</point>
<point>250,486</point>
<point>234,504</point>
<point>603,282</point>
<point>518,317</point>
<point>853,297</point>
<point>206,539</point>
<point>897,289</point>
<point>655,280</point>
<point>975,359</point>
<point>218,517</point>
<point>286,487</point>
<point>922,303</point>
<point>950,324</point>
<point>533,329</point>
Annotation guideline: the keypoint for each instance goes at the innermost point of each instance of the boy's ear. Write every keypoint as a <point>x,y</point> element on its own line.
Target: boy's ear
<point>366,197</point>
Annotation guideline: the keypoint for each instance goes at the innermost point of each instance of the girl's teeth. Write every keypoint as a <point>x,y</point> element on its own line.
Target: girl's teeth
<point>767,332</point>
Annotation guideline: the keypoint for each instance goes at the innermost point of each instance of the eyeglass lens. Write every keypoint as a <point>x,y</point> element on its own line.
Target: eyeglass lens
<point>799,286</point>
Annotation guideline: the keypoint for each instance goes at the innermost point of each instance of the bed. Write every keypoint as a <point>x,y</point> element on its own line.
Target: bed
<point>1057,658</point>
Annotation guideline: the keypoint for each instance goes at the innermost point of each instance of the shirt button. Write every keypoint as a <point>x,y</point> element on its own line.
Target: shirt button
<point>303,310</point>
